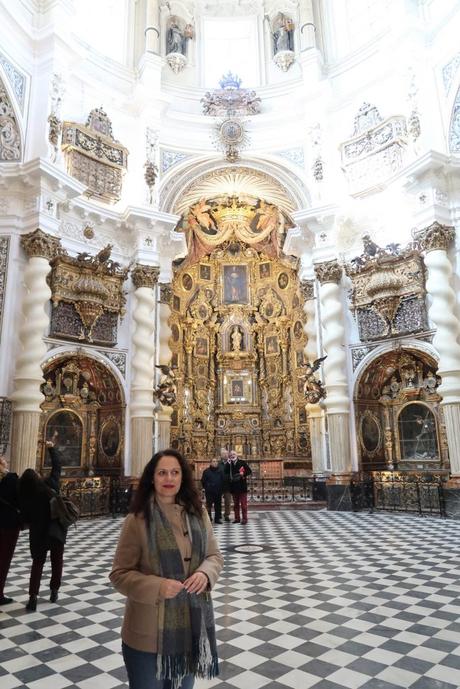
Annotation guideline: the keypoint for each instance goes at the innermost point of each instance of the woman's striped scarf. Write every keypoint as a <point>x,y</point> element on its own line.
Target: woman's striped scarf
<point>186,633</point>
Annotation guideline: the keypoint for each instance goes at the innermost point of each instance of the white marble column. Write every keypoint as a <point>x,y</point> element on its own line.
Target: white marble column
<point>435,241</point>
<point>27,397</point>
<point>337,399</point>
<point>315,413</point>
<point>307,25</point>
<point>163,416</point>
<point>142,406</point>
<point>152,27</point>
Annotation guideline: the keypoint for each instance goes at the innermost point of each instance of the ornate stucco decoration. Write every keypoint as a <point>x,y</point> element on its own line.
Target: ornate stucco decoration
<point>210,223</point>
<point>454,131</point>
<point>145,276</point>
<point>388,291</point>
<point>165,293</point>
<point>4,251</point>
<point>17,80</point>
<point>435,237</point>
<point>87,297</point>
<point>94,157</point>
<point>10,138</point>
<point>328,271</point>
<point>41,244</point>
<point>307,288</point>
<point>376,149</point>
<point>230,99</point>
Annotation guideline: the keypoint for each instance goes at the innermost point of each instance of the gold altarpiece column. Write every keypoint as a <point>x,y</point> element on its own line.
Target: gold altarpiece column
<point>237,339</point>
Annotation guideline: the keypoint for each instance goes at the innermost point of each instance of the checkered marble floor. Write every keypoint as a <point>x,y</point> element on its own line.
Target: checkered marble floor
<point>320,600</point>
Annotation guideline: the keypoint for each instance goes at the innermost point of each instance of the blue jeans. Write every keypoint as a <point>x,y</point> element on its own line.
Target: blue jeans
<point>141,667</point>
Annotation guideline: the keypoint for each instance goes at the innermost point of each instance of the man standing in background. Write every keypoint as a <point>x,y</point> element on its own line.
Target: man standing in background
<point>226,483</point>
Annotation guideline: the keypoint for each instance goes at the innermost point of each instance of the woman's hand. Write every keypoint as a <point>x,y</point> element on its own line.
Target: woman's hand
<point>197,583</point>
<point>169,588</point>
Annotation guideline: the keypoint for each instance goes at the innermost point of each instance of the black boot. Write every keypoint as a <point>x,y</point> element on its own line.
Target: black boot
<point>32,604</point>
<point>54,596</point>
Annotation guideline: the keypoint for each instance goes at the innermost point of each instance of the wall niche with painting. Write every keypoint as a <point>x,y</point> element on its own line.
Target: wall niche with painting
<point>83,413</point>
<point>398,414</point>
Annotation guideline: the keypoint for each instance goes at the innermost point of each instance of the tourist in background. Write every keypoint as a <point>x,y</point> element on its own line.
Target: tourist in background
<point>10,523</point>
<point>227,495</point>
<point>212,481</point>
<point>237,471</point>
<point>166,562</point>
<point>45,534</point>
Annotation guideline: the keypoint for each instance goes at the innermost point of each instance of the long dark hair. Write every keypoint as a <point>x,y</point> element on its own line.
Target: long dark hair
<point>30,486</point>
<point>187,496</point>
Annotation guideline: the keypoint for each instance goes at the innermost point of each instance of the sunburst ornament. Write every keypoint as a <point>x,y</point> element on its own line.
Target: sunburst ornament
<point>230,136</point>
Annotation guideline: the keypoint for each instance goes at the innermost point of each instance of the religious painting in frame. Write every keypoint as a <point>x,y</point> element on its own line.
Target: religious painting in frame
<point>235,284</point>
<point>65,429</point>
<point>205,271</point>
<point>271,345</point>
<point>110,437</point>
<point>299,358</point>
<point>265,270</point>
<point>176,303</point>
<point>201,347</point>
<point>237,388</point>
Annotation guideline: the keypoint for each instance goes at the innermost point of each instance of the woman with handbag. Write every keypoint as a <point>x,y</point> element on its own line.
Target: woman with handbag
<point>166,562</point>
<point>45,534</point>
<point>238,470</point>
<point>10,523</point>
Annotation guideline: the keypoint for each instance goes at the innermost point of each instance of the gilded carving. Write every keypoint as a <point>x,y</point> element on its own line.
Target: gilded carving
<point>307,288</point>
<point>328,271</point>
<point>90,286</point>
<point>435,237</point>
<point>145,276</point>
<point>94,157</point>
<point>165,293</point>
<point>41,244</point>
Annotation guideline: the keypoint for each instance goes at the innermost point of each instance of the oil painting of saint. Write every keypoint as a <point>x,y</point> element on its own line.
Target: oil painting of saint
<point>235,284</point>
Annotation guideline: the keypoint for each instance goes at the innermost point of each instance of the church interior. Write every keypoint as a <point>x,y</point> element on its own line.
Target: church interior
<point>233,224</point>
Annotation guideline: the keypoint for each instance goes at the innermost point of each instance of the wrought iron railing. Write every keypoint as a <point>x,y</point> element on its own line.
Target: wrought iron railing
<point>394,491</point>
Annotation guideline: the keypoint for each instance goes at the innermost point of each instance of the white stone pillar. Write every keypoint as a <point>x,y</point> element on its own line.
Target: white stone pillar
<point>142,406</point>
<point>435,240</point>
<point>307,25</point>
<point>315,413</point>
<point>337,399</point>
<point>152,27</point>
<point>27,397</point>
<point>163,416</point>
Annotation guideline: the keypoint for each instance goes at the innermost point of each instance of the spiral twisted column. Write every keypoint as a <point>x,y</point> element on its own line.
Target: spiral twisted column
<point>337,399</point>
<point>40,248</point>
<point>163,415</point>
<point>142,405</point>
<point>315,413</point>
<point>435,241</point>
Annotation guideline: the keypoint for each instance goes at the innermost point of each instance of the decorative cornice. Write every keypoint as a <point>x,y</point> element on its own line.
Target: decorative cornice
<point>42,245</point>
<point>329,271</point>
<point>307,288</point>
<point>145,276</point>
<point>435,237</point>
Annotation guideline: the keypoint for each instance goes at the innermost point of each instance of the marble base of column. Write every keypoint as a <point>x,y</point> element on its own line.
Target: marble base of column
<point>24,439</point>
<point>339,444</point>
<point>451,412</point>
<point>141,443</point>
<point>315,424</point>
<point>164,429</point>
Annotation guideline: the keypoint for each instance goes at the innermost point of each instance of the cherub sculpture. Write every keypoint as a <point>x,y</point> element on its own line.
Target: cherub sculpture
<point>166,390</point>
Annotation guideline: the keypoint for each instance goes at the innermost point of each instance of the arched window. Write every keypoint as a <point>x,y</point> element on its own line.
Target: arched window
<point>417,433</point>
<point>102,25</point>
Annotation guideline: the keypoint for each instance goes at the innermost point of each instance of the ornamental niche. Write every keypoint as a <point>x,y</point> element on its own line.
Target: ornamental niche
<point>94,157</point>
<point>388,291</point>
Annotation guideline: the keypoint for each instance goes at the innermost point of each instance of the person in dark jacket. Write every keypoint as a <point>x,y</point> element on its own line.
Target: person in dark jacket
<point>238,470</point>
<point>226,486</point>
<point>212,481</point>
<point>45,534</point>
<point>10,523</point>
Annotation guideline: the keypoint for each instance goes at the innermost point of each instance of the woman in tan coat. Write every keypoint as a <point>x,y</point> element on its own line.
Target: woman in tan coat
<point>166,562</point>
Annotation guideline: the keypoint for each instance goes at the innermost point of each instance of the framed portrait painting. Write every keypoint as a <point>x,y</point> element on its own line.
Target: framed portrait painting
<point>110,438</point>
<point>271,345</point>
<point>201,346</point>
<point>235,284</point>
<point>65,429</point>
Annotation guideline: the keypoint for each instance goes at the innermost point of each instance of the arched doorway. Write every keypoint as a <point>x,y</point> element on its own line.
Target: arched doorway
<point>238,339</point>
<point>398,416</point>
<point>83,412</point>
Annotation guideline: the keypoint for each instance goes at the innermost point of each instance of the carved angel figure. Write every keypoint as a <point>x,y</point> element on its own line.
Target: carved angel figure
<point>166,390</point>
<point>201,213</point>
<point>313,388</point>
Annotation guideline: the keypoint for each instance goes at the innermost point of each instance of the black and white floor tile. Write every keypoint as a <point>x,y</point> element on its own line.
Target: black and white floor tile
<point>307,600</point>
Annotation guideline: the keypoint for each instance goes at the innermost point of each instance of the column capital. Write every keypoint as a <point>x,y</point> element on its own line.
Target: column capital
<point>165,293</point>
<point>41,244</point>
<point>307,288</point>
<point>145,276</point>
<point>328,271</point>
<point>435,237</point>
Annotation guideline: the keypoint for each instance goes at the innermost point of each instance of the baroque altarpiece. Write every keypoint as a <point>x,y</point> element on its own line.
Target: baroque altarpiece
<point>238,340</point>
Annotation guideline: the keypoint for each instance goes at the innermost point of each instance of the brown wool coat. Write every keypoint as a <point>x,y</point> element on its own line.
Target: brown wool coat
<point>132,574</point>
